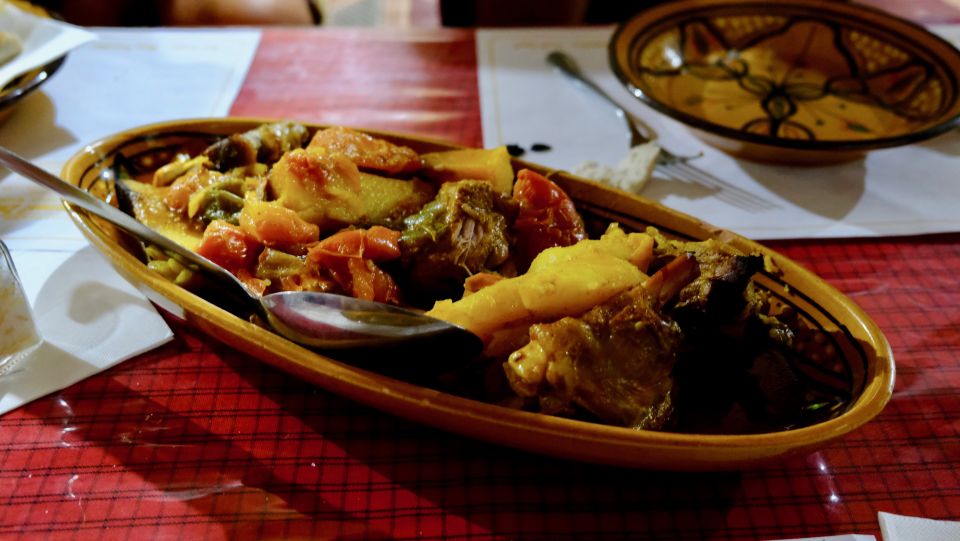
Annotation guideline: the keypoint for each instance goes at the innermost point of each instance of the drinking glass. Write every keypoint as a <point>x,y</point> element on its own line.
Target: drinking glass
<point>18,331</point>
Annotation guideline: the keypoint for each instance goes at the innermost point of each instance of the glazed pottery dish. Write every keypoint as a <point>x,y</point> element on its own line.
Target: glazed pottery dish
<point>797,81</point>
<point>839,375</point>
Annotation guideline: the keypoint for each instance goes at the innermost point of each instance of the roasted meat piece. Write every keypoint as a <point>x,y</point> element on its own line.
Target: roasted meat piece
<point>263,144</point>
<point>615,361</point>
<point>721,291</point>
<point>463,231</point>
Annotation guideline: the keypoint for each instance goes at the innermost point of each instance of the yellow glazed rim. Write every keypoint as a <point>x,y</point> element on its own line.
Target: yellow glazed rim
<point>524,430</point>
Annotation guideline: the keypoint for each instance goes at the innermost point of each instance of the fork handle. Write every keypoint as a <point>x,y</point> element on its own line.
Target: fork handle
<point>568,66</point>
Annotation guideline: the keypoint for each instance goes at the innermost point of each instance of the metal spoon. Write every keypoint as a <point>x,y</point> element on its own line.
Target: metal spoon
<point>320,320</point>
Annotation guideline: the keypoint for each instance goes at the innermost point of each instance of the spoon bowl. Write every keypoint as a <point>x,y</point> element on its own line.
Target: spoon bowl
<point>319,320</point>
<point>324,320</point>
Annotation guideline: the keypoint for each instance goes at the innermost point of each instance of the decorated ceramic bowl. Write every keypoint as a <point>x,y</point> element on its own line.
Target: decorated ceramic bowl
<point>851,361</point>
<point>793,81</point>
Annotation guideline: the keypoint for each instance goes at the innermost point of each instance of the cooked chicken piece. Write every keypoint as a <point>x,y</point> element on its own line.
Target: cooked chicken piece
<point>263,144</point>
<point>616,361</point>
<point>463,231</point>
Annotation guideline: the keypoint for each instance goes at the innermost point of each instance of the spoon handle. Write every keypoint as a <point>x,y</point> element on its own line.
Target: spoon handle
<point>80,197</point>
<point>118,218</point>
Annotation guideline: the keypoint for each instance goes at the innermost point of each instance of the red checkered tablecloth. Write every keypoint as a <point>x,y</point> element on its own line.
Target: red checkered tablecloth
<point>196,440</point>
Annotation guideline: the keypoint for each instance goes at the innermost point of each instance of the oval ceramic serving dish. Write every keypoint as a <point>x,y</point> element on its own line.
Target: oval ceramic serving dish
<point>794,81</point>
<point>862,368</point>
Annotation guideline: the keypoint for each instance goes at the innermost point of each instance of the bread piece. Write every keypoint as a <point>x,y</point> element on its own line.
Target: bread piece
<point>631,174</point>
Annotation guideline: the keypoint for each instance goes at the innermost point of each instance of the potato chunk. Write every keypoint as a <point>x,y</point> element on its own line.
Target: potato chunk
<point>491,165</point>
<point>562,281</point>
<point>633,247</point>
<point>324,189</point>
<point>387,201</point>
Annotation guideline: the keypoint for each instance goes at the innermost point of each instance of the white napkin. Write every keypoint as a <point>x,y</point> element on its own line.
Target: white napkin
<point>90,319</point>
<point>904,528</point>
<point>43,40</point>
<point>899,191</point>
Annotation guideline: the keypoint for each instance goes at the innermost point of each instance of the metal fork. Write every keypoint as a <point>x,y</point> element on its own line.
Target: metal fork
<point>668,164</point>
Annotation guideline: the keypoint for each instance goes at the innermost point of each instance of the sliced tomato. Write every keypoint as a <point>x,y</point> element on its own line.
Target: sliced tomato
<point>255,285</point>
<point>365,280</point>
<point>229,246</point>
<point>350,257</point>
<point>276,226</point>
<point>376,244</point>
<point>546,218</point>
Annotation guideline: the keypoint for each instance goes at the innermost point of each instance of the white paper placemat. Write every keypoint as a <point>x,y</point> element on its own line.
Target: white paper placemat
<point>89,316</point>
<point>903,191</point>
<point>904,528</point>
<point>90,320</point>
